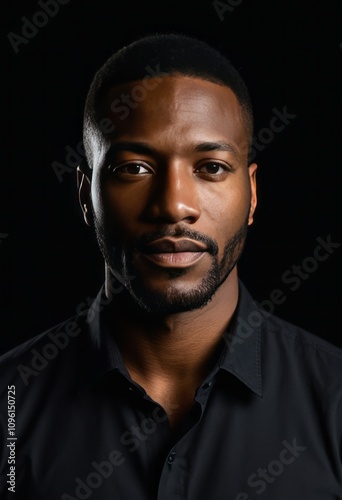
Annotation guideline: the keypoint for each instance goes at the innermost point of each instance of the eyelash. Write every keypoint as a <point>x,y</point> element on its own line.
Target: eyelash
<point>224,166</point>
<point>137,164</point>
<point>227,168</point>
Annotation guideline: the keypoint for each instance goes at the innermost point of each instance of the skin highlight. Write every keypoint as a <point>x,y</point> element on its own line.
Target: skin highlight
<point>175,169</point>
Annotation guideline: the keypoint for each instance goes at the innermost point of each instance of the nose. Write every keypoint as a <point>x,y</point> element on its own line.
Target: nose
<point>174,195</point>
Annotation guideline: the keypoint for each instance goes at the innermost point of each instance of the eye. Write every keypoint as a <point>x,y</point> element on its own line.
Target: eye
<point>214,168</point>
<point>130,169</point>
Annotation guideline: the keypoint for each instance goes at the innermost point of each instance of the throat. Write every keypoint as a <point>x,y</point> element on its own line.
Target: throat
<point>170,372</point>
<point>177,400</point>
<point>174,370</point>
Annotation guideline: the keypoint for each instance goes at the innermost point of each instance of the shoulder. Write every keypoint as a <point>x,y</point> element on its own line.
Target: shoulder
<point>277,332</point>
<point>297,338</point>
<point>43,352</point>
<point>304,358</point>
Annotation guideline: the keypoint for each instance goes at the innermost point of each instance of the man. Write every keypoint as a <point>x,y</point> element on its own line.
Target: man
<point>174,384</point>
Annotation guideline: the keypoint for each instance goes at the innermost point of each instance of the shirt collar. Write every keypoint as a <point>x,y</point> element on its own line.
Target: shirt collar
<point>241,355</point>
<point>104,354</point>
<point>242,352</point>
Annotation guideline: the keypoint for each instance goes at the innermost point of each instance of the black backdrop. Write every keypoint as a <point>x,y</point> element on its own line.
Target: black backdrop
<point>290,54</point>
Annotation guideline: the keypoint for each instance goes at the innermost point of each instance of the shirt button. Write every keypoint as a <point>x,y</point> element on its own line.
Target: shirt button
<point>207,385</point>
<point>171,458</point>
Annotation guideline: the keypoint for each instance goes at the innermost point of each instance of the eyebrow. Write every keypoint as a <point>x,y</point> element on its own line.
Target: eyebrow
<point>133,147</point>
<point>217,146</point>
<point>146,149</point>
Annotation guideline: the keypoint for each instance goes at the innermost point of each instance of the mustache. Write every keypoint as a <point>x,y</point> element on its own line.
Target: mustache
<point>179,232</point>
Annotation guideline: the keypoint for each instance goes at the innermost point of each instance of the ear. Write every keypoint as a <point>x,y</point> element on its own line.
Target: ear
<point>84,191</point>
<point>252,179</point>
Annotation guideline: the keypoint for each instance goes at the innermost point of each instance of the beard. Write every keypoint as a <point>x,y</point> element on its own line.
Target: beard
<point>170,300</point>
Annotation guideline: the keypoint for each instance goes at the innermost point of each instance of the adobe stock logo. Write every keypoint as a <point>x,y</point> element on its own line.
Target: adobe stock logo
<point>227,6</point>
<point>132,438</point>
<point>58,338</point>
<point>40,19</point>
<point>293,277</point>
<point>277,124</point>
<point>122,107</point>
<point>264,476</point>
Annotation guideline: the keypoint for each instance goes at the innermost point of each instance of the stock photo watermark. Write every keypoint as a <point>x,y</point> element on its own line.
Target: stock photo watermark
<point>131,438</point>
<point>11,438</point>
<point>31,27</point>
<point>59,340</point>
<point>264,476</point>
<point>293,278</point>
<point>121,106</point>
<point>277,124</point>
<point>74,156</point>
<point>221,8</point>
<point>126,102</point>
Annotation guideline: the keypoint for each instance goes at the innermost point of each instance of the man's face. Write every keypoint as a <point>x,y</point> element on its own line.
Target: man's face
<point>171,194</point>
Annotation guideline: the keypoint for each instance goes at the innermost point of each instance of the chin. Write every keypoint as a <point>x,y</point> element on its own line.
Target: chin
<point>173,298</point>
<point>163,304</point>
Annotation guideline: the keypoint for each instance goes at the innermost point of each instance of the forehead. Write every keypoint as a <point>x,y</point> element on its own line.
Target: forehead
<point>176,109</point>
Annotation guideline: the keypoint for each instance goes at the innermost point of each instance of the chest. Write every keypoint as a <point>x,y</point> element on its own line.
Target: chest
<point>237,447</point>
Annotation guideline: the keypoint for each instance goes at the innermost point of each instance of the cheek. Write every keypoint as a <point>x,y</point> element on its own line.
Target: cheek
<point>227,207</point>
<point>122,207</point>
<point>97,197</point>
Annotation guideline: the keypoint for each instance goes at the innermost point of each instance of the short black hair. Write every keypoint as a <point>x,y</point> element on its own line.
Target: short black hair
<point>167,53</point>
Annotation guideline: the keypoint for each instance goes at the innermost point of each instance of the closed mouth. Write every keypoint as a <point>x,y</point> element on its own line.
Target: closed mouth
<point>169,245</point>
<point>168,252</point>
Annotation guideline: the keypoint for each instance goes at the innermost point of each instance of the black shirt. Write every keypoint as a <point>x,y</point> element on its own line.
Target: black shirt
<point>267,422</point>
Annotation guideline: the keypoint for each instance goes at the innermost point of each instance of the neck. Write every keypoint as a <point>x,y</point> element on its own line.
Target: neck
<point>178,347</point>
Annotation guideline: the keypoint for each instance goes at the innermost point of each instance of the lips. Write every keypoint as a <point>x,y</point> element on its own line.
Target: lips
<point>168,245</point>
<point>180,253</point>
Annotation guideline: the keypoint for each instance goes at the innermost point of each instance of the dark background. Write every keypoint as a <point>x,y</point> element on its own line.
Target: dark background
<point>289,53</point>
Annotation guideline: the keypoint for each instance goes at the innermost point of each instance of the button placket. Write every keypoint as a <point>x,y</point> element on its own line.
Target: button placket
<point>207,385</point>
<point>171,458</point>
